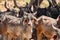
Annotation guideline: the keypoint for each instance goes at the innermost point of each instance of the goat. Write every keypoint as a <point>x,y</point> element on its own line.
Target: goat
<point>44,27</point>
<point>16,29</point>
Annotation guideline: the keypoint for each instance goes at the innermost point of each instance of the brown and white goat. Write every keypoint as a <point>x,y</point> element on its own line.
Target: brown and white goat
<point>44,26</point>
<point>17,28</point>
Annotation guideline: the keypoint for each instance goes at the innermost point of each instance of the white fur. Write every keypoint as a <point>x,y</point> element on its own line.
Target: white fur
<point>56,29</point>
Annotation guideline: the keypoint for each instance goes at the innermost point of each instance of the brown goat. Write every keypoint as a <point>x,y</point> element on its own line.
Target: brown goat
<point>16,29</point>
<point>44,27</point>
<point>3,29</point>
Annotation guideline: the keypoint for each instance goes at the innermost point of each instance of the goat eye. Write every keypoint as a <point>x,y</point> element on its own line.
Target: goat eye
<point>45,19</point>
<point>26,20</point>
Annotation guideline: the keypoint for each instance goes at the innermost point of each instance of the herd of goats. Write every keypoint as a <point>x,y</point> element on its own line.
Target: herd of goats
<point>31,22</point>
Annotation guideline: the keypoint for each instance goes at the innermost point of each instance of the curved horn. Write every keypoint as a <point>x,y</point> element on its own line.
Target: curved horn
<point>55,27</point>
<point>6,5</point>
<point>16,4</point>
<point>57,30</point>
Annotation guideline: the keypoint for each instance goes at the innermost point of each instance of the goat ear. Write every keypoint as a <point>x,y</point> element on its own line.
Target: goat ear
<point>35,13</point>
<point>35,20</point>
<point>58,18</point>
<point>32,8</point>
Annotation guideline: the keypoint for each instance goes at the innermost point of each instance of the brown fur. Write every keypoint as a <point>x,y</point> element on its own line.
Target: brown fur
<point>44,27</point>
<point>18,30</point>
<point>3,30</point>
<point>27,33</point>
